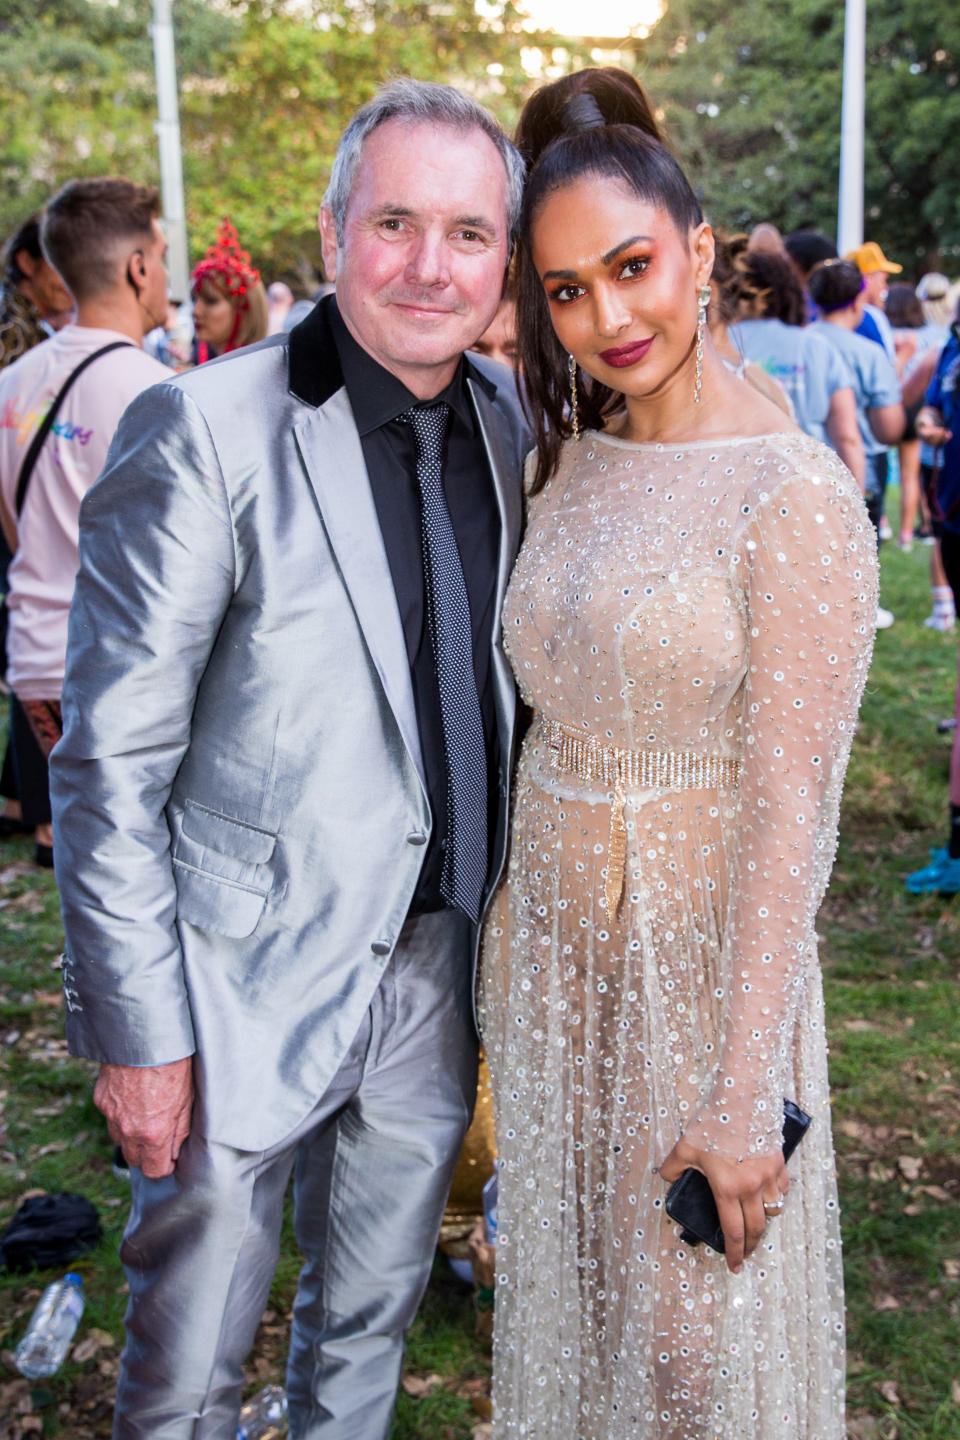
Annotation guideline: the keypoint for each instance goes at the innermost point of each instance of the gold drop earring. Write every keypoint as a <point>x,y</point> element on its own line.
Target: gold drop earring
<point>703,300</point>
<point>574,409</point>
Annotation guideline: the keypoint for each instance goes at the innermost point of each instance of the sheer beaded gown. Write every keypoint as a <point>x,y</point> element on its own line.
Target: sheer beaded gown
<point>692,627</point>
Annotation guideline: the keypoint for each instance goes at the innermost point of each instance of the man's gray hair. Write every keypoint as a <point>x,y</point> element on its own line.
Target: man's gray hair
<point>419,100</point>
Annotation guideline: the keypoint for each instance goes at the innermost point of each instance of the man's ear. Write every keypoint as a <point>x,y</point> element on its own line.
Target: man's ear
<point>328,242</point>
<point>25,263</point>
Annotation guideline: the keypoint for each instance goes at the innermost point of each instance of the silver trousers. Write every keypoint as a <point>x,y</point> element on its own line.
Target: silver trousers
<point>372,1165</point>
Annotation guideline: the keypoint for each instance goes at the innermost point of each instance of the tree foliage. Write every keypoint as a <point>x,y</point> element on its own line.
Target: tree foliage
<point>266,88</point>
<point>752,95</point>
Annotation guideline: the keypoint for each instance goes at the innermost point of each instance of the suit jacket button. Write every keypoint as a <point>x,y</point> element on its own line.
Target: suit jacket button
<point>381,947</point>
<point>416,837</point>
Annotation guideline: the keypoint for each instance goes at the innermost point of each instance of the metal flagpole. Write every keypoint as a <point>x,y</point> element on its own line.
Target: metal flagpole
<point>168,139</point>
<point>852,120</point>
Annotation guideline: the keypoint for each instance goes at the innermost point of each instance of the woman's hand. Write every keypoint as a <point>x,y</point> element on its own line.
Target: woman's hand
<point>741,1189</point>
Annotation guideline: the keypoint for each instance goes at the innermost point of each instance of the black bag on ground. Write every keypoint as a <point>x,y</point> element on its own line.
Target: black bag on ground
<point>49,1230</point>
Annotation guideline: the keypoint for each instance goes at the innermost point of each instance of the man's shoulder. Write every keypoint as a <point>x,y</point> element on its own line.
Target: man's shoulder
<point>230,380</point>
<point>502,387</point>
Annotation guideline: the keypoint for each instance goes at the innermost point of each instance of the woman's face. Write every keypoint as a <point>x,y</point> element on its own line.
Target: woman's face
<point>213,315</point>
<point>621,283</point>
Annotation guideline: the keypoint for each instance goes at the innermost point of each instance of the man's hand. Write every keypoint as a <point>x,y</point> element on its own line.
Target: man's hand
<point>930,427</point>
<point>148,1110</point>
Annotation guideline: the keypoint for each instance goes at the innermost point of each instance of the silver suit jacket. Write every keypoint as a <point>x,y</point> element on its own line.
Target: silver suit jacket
<point>239,800</point>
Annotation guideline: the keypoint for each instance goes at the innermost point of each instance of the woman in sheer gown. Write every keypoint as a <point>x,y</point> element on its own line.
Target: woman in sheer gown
<point>690,621</point>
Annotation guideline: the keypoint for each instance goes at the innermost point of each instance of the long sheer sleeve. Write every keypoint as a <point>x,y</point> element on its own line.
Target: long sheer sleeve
<point>809,555</point>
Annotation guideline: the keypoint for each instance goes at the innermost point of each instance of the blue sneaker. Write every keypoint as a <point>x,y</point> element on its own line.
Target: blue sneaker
<point>940,877</point>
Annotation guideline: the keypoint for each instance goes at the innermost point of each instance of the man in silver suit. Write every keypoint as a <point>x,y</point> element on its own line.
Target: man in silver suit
<point>280,799</point>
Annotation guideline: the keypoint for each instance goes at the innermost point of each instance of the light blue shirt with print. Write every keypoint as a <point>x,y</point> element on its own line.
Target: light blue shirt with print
<point>874,378</point>
<point>807,367</point>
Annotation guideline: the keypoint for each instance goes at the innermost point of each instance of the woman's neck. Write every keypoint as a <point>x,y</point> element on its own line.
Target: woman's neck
<point>848,318</point>
<point>670,412</point>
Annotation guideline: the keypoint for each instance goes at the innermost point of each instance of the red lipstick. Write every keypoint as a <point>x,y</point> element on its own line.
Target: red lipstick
<point>625,355</point>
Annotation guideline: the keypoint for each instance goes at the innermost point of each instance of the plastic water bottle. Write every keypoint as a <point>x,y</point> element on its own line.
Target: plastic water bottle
<point>264,1417</point>
<point>53,1324</point>
<point>490,1209</point>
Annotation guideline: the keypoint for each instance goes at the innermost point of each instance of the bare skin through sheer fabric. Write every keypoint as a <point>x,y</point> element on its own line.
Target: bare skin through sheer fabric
<point>717,599</point>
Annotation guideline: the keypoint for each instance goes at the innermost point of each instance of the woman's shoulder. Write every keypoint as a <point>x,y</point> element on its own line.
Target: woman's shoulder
<point>796,464</point>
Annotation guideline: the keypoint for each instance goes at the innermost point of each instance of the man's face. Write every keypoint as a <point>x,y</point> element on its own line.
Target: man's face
<point>153,284</point>
<point>43,285</point>
<point>419,268</point>
<point>499,340</point>
<point>875,286</point>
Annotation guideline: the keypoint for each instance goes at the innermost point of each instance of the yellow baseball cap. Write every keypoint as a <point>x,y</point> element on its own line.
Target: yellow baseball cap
<point>870,257</point>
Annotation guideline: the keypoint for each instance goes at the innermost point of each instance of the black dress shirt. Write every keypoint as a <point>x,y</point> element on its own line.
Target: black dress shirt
<point>376,398</point>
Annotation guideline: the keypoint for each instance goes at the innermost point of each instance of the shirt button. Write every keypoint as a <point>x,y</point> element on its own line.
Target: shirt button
<point>416,837</point>
<point>381,947</point>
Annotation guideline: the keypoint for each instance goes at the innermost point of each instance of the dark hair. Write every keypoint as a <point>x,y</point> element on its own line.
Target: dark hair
<point>902,307</point>
<point>87,225</point>
<point>596,122</point>
<point>835,284</point>
<point>26,237</point>
<point>774,282</point>
<point>730,284</point>
<point>808,248</point>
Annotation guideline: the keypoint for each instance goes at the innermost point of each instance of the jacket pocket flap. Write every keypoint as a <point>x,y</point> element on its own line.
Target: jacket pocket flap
<point>215,905</point>
<point>227,836</point>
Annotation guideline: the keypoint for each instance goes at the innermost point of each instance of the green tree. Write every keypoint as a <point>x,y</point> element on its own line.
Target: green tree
<point>265,90</point>
<point>752,92</point>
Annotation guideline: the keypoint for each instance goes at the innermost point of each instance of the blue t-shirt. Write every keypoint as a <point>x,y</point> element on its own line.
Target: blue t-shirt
<point>876,327</point>
<point>805,365</point>
<point>874,378</point>
<point>943,393</point>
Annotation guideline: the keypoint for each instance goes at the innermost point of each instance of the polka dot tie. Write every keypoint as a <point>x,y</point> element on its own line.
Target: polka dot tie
<point>465,867</point>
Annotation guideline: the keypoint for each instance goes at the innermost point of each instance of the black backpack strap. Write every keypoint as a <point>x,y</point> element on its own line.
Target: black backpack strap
<point>46,425</point>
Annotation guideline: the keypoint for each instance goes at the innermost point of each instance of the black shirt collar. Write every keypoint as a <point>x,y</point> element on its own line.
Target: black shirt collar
<point>377,396</point>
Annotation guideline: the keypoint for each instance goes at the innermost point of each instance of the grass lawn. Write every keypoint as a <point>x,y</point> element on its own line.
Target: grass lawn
<point>891,964</point>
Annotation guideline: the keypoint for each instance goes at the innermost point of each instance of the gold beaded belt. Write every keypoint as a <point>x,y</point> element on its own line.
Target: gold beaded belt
<point>575,752</point>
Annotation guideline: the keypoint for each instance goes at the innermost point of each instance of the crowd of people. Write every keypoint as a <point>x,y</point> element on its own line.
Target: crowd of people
<point>277,578</point>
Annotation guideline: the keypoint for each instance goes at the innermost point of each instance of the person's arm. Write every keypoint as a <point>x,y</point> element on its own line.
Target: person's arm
<point>887,422</point>
<point>915,385</point>
<point>844,435</point>
<point>156,576</point>
<point>811,598</point>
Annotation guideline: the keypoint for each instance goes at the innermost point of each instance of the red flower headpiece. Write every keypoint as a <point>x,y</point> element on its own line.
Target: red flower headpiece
<point>228,263</point>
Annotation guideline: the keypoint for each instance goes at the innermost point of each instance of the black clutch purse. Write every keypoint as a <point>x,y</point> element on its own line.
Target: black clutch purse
<point>690,1200</point>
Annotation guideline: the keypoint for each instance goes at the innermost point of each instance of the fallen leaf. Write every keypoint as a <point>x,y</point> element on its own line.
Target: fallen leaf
<point>937,1192</point>
<point>951,1268</point>
<point>887,1302</point>
<point>888,1389</point>
<point>909,1167</point>
<point>418,1385</point>
<point>955,1392</point>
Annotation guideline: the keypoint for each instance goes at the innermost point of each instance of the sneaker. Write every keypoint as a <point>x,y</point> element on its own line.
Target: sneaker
<point>947,727</point>
<point>885,618</point>
<point>940,877</point>
<point>940,620</point>
<point>885,532</point>
<point>905,543</point>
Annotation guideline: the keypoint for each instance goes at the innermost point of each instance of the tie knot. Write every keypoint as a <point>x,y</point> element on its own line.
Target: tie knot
<point>429,426</point>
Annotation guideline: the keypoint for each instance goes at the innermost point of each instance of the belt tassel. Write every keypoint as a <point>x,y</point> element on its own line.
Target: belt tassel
<point>616,855</point>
